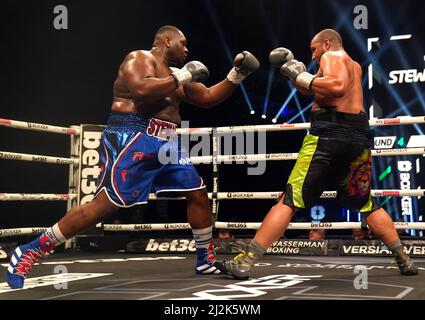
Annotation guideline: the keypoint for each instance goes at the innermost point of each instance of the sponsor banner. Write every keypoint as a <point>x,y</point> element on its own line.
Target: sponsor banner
<point>384,142</point>
<point>240,195</point>
<point>89,166</point>
<point>295,247</point>
<point>89,161</point>
<point>10,232</point>
<point>416,141</point>
<point>414,248</point>
<point>281,247</point>
<point>39,126</point>
<point>162,246</point>
<point>299,247</point>
<point>9,156</point>
<point>406,76</point>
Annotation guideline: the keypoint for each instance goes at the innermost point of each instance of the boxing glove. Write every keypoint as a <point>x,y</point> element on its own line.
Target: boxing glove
<point>279,56</point>
<point>193,71</point>
<point>245,63</point>
<point>296,71</point>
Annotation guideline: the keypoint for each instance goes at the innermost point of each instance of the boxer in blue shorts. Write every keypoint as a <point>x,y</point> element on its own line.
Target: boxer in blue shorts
<point>336,152</point>
<point>145,114</point>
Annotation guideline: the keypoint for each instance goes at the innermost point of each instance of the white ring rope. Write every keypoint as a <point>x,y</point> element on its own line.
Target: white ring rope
<point>277,194</point>
<point>253,225</point>
<point>298,126</point>
<point>231,129</point>
<point>22,231</point>
<point>36,197</point>
<point>316,225</point>
<point>38,127</point>
<point>227,159</point>
<point>220,195</point>
<point>218,225</point>
<point>36,158</point>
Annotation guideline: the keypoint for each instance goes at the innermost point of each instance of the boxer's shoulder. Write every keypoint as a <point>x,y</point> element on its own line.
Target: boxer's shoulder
<point>140,55</point>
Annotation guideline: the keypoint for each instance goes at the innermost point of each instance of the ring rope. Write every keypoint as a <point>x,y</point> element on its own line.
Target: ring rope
<point>207,159</point>
<point>298,126</point>
<point>36,158</point>
<point>231,129</point>
<point>218,225</point>
<point>38,127</point>
<point>277,194</point>
<point>36,197</point>
<point>220,195</point>
<point>227,159</point>
<point>316,225</point>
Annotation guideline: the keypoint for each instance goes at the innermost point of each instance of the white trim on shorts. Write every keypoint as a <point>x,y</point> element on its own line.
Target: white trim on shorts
<point>106,165</point>
<point>115,163</point>
<point>179,190</point>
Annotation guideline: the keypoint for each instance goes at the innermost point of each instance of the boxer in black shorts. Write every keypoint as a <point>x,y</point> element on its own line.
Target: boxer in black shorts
<point>335,154</point>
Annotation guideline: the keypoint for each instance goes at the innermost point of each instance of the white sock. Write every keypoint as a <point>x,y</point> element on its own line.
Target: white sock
<point>202,237</point>
<point>56,234</point>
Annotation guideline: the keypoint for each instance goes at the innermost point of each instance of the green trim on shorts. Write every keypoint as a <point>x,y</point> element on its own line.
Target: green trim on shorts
<point>299,172</point>
<point>368,206</point>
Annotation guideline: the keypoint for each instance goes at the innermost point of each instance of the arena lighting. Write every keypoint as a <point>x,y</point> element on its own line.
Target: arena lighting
<point>268,89</point>
<point>396,44</point>
<point>285,104</point>
<point>309,68</point>
<point>230,57</point>
<point>355,36</point>
<point>397,41</point>
<point>263,116</point>
<point>297,102</point>
<point>407,105</point>
<point>300,113</point>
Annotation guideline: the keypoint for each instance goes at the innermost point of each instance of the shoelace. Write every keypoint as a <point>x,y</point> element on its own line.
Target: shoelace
<point>241,255</point>
<point>30,257</point>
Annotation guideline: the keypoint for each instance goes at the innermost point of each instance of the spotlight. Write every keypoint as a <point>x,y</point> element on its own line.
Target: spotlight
<point>274,120</point>
<point>263,116</point>
<point>252,112</point>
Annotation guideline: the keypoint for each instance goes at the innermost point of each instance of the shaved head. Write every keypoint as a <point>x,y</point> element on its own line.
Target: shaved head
<point>329,34</point>
<point>166,31</point>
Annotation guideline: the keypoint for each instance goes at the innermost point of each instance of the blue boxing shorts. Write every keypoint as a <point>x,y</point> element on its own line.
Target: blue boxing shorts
<point>141,155</point>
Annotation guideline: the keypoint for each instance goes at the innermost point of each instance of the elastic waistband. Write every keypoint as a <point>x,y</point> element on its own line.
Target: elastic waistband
<point>133,122</point>
<point>127,122</point>
<point>324,114</point>
<point>348,127</point>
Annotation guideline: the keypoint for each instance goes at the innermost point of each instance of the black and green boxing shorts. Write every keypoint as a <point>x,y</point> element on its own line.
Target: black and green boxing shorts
<point>335,155</point>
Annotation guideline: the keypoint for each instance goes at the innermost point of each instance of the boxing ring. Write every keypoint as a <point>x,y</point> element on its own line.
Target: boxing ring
<point>216,160</point>
<point>151,283</point>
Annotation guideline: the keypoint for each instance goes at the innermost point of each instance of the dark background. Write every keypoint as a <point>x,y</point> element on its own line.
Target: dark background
<point>65,77</point>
